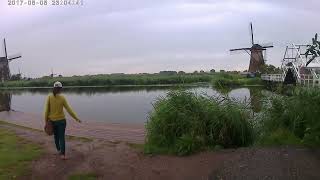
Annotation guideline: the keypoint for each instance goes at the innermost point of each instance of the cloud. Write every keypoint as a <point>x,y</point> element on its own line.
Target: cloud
<point>149,36</point>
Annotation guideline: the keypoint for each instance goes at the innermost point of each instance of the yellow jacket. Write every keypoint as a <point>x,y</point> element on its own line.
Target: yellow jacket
<point>54,108</point>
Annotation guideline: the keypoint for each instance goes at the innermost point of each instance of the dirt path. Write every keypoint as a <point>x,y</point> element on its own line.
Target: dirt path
<point>115,160</point>
<point>285,163</point>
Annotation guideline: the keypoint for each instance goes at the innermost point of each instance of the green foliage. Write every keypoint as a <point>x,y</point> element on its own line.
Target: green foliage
<point>313,49</point>
<point>280,137</point>
<point>224,80</point>
<point>83,176</point>
<point>15,155</point>
<point>109,80</point>
<point>218,79</point>
<point>270,69</point>
<point>184,122</point>
<point>298,113</point>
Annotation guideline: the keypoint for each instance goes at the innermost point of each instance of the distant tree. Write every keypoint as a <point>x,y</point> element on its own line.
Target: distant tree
<point>222,71</point>
<point>195,72</point>
<point>60,75</point>
<point>212,71</point>
<point>15,77</point>
<point>270,69</point>
<point>202,71</point>
<point>168,72</point>
<point>181,72</point>
<point>313,49</point>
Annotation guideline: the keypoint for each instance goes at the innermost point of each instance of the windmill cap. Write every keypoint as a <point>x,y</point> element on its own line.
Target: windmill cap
<point>57,84</point>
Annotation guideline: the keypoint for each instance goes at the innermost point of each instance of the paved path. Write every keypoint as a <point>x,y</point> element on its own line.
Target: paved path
<point>108,131</point>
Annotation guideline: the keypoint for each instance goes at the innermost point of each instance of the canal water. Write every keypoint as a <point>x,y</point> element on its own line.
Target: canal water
<point>113,104</point>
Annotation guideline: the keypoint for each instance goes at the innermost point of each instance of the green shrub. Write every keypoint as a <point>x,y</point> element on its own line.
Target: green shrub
<point>280,137</point>
<point>107,80</point>
<point>298,113</point>
<point>234,80</point>
<point>184,122</point>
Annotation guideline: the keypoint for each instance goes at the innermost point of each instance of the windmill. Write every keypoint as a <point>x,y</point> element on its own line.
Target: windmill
<point>4,64</point>
<point>256,54</point>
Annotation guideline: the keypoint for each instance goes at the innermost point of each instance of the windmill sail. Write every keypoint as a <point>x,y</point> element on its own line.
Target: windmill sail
<point>4,63</point>
<point>251,34</point>
<point>12,57</point>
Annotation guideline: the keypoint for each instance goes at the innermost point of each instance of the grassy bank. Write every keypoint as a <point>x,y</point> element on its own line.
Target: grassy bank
<point>218,79</point>
<point>183,123</point>
<point>16,155</point>
<point>234,80</point>
<point>110,80</point>
<point>292,118</point>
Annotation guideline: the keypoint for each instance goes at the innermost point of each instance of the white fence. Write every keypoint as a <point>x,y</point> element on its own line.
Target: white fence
<point>272,77</point>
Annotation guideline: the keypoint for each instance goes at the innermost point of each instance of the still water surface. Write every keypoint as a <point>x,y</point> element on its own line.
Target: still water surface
<point>116,104</point>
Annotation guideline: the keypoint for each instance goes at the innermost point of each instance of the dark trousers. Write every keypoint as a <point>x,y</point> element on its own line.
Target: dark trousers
<point>59,129</point>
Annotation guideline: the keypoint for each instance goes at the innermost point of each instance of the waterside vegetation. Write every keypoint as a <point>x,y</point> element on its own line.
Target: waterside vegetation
<point>235,80</point>
<point>127,79</point>
<point>184,122</point>
<point>15,155</point>
<point>292,118</point>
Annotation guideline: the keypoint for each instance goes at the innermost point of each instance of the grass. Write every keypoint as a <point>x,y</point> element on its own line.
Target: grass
<point>111,80</point>
<point>292,118</point>
<point>279,137</point>
<point>225,80</point>
<point>16,155</point>
<point>83,176</point>
<point>184,122</point>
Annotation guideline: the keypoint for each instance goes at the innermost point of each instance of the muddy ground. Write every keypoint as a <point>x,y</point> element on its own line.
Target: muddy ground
<point>116,160</point>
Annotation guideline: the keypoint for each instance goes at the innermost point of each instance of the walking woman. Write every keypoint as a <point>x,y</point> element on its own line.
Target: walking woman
<point>54,113</point>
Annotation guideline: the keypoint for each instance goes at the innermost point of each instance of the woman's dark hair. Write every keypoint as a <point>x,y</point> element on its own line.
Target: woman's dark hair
<point>56,90</point>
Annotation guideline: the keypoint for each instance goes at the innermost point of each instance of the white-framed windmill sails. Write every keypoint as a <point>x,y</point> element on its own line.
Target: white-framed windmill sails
<point>256,54</point>
<point>4,63</point>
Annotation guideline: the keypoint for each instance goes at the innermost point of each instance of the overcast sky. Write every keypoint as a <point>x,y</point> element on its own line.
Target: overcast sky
<point>132,36</point>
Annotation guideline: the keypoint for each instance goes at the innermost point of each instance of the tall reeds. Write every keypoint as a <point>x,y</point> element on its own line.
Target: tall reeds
<point>293,118</point>
<point>184,122</point>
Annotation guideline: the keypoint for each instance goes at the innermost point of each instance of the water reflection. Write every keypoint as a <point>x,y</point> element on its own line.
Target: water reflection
<point>5,101</point>
<point>252,95</point>
<point>113,104</point>
<point>89,91</point>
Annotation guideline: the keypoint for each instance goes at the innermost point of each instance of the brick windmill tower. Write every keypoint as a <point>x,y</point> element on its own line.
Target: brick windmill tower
<point>256,52</point>
<point>4,64</point>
